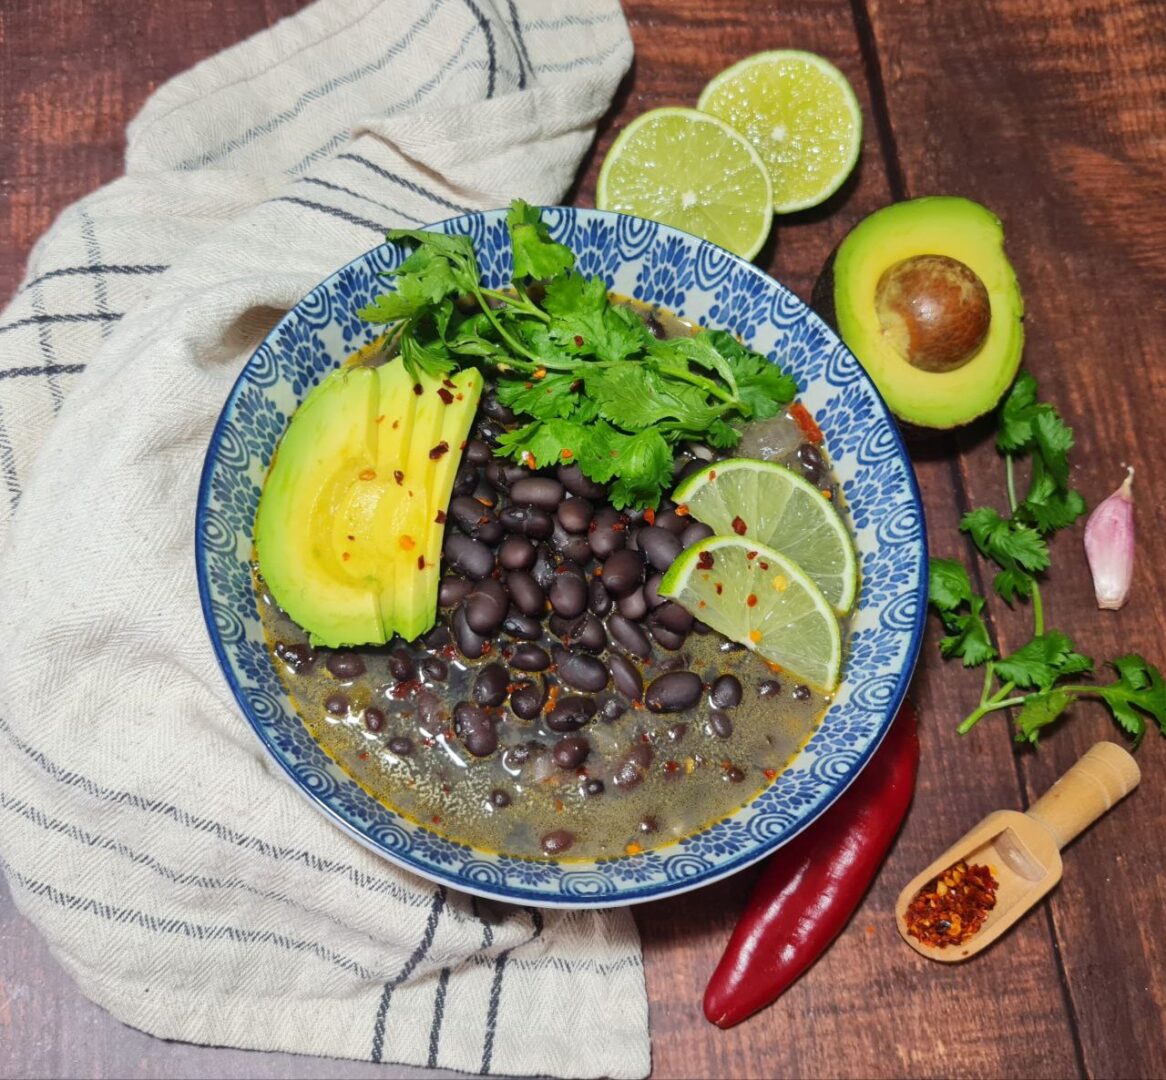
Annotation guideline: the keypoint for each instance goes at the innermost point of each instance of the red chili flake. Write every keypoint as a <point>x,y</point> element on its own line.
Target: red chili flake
<point>460,397</point>
<point>418,389</point>
<point>712,474</point>
<point>407,542</point>
<point>345,556</point>
<point>529,385</point>
<point>681,510</point>
<point>578,341</point>
<point>380,419</point>
<point>566,455</point>
<point>368,474</point>
<point>751,600</point>
<point>396,424</point>
<point>720,588</point>
<point>705,560</point>
<point>539,373</point>
<point>750,555</point>
<point>363,755</point>
<point>420,562</point>
<point>763,564</point>
<point>650,516</point>
<point>671,766</point>
<point>800,415</point>
<point>463,444</point>
<point>450,383</point>
<point>701,603</point>
<point>769,774</point>
<point>739,527</point>
<point>398,476</point>
<point>439,450</point>
<point>351,537</point>
<point>436,819</point>
<point>528,459</point>
<point>952,907</point>
<point>445,395</point>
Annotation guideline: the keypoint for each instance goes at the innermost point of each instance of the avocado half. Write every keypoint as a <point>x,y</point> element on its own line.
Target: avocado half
<point>852,294</point>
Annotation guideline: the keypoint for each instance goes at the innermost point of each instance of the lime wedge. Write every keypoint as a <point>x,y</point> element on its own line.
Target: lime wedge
<point>692,171</point>
<point>756,596</point>
<point>800,113</point>
<point>760,500</point>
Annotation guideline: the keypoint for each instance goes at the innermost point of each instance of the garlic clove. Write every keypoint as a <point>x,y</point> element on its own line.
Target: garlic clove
<point>1109,546</point>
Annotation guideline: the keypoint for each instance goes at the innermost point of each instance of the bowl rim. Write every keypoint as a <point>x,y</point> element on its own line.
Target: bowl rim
<point>633,893</point>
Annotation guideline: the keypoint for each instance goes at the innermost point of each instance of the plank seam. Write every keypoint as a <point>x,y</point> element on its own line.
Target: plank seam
<point>878,99</point>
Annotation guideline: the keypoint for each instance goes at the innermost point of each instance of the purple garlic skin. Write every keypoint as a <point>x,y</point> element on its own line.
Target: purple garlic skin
<point>1109,546</point>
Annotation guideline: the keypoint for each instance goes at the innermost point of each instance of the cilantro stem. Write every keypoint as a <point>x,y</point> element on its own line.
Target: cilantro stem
<point>1011,479</point>
<point>999,700</point>
<point>710,387</point>
<point>527,306</point>
<point>988,673</point>
<point>1038,611</point>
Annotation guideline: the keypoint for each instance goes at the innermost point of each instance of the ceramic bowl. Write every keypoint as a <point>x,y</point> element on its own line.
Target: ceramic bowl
<point>700,282</point>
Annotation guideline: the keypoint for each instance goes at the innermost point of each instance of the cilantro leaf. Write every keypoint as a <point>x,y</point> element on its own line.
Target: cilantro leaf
<point>428,357</point>
<point>1042,661</point>
<point>948,584</point>
<point>1011,583</point>
<point>545,441</point>
<point>1139,689</point>
<point>555,396</point>
<point>1014,425</point>
<point>1047,506</point>
<point>536,255</point>
<point>1038,712</point>
<point>585,322</point>
<point>969,638</point>
<point>762,386</point>
<point>635,396</point>
<point>645,469</point>
<point>440,267</point>
<point>1006,543</point>
<point>1053,440</point>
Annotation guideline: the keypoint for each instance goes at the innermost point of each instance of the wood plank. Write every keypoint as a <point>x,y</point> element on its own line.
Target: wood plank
<point>1051,115</point>
<point>874,1007</point>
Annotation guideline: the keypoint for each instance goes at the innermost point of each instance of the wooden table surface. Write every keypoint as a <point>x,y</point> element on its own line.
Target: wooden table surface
<point>1053,115</point>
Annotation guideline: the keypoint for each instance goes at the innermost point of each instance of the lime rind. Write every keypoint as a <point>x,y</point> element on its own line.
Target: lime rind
<point>781,509</point>
<point>691,170</point>
<point>727,97</point>
<point>756,596</point>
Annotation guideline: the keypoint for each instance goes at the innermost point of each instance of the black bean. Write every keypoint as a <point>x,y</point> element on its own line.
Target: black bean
<point>401,745</point>
<point>570,713</point>
<point>563,627</point>
<point>726,692</point>
<point>374,718</point>
<point>543,570</point>
<point>486,606</point>
<point>465,480</point>
<point>734,775</point>
<point>592,787</point>
<point>434,668</point>
<point>475,728</point>
<point>802,693</point>
<point>336,704</point>
<point>297,655</point>
<point>699,627</point>
<point>659,546</point>
<point>491,685</point>
<point>516,553</point>
<point>525,592</point>
<point>568,596</point>
<point>598,598</point>
<point>812,464</point>
<point>633,606</point>
<point>673,617</point>
<point>674,692</point>
<point>527,520</point>
<point>538,491</point>
<point>665,638</point>
<point>652,591</point>
<point>672,521</point>
<point>575,515</point>
<point>580,671</point>
<point>527,699</point>
<point>468,557</point>
<point>769,688</point>
<point>676,732</point>
<point>623,572</point>
<point>345,665</point>
<point>572,478</point>
<point>521,626</point>
<point>607,533</point>
<point>694,533</point>
<point>577,548</point>
<point>588,634</point>
<point>437,638</point>
<point>529,658</point>
<point>629,635</point>
<point>633,767</point>
<point>469,641</point>
<point>571,568</point>
<point>720,723</point>
<point>494,409</point>
<point>477,452</point>
<point>557,841</point>
<point>402,667</point>
<point>648,825</point>
<point>611,709</point>
<point>432,715</point>
<point>471,516</point>
<point>500,474</point>
<point>671,663</point>
<point>571,751</point>
<point>628,680</point>
<point>453,590</point>
<point>499,799</point>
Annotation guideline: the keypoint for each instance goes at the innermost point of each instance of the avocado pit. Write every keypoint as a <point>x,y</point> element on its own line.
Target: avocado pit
<point>934,310</point>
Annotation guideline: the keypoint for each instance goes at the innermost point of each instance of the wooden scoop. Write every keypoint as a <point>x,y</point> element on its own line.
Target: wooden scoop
<point>1023,851</point>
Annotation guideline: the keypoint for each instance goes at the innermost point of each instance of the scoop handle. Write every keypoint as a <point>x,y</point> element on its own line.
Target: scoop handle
<point>1103,776</point>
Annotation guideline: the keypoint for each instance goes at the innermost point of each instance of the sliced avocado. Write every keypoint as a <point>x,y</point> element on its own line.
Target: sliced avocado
<point>350,521</point>
<point>924,296</point>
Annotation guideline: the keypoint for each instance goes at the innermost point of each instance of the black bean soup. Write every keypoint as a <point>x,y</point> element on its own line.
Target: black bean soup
<point>560,705</point>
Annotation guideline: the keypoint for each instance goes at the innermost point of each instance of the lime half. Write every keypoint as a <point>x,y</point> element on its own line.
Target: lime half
<point>800,113</point>
<point>692,171</point>
<point>756,596</point>
<point>760,500</point>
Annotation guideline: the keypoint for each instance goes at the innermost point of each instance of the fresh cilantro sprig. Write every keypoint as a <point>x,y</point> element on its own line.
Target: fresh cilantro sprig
<point>1033,430</point>
<point>594,386</point>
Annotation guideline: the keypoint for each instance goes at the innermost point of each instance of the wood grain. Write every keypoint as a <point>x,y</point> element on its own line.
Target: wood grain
<point>1051,115</point>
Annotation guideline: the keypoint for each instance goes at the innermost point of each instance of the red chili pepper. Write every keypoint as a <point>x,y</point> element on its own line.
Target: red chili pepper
<point>811,887</point>
<point>802,417</point>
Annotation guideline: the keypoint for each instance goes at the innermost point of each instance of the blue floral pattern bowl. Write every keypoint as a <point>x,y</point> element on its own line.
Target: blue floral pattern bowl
<point>703,283</point>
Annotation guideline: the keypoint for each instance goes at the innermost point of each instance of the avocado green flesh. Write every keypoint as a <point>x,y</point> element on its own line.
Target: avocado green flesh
<point>934,225</point>
<point>347,533</point>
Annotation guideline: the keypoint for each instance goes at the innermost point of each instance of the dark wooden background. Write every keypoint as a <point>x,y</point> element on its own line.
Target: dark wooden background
<point>1051,113</point>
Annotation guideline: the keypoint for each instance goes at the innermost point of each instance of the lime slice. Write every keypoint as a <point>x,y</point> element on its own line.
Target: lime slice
<point>689,170</point>
<point>760,500</point>
<point>756,596</point>
<point>800,113</point>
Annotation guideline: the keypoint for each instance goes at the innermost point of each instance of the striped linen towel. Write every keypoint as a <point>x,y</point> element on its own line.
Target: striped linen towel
<point>182,882</point>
